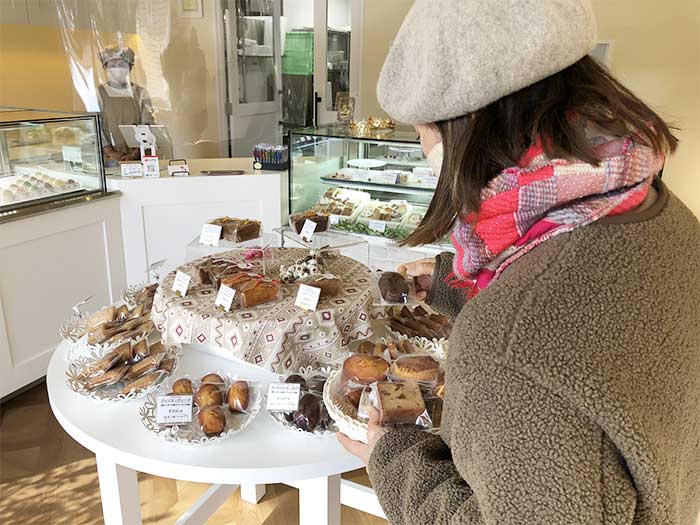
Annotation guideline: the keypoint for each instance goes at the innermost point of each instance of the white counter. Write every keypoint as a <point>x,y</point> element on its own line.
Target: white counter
<point>160,216</point>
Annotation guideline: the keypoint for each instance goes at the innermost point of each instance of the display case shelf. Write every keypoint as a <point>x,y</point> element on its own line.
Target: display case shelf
<point>375,186</point>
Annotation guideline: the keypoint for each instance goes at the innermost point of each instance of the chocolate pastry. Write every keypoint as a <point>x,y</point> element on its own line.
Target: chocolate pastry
<point>393,287</point>
<point>203,271</point>
<point>297,220</point>
<point>241,230</point>
<point>419,311</point>
<point>212,378</point>
<point>142,382</point>
<point>167,365</point>
<point>433,405</point>
<point>419,323</point>
<point>423,283</point>
<point>316,383</point>
<point>238,396</point>
<point>308,415</point>
<point>296,378</point>
<point>208,395</point>
<point>330,285</point>
<point>212,421</point>
<point>365,347</point>
<point>182,387</point>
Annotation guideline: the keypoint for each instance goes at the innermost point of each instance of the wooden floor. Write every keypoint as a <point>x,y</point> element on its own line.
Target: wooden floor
<point>46,478</point>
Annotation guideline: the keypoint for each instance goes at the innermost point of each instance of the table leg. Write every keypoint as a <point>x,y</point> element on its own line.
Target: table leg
<point>319,501</point>
<point>252,493</point>
<point>207,504</point>
<point>119,490</point>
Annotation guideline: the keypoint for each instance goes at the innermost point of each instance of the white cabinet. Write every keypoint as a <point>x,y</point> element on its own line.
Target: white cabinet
<point>48,263</point>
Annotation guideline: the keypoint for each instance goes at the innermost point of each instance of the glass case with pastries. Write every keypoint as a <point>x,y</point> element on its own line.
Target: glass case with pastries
<point>377,184</point>
<point>48,156</point>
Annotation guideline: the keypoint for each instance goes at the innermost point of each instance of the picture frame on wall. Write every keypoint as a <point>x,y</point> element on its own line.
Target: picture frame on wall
<point>190,9</point>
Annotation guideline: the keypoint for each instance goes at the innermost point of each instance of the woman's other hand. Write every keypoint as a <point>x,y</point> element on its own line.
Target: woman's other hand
<point>422,267</point>
<point>374,432</point>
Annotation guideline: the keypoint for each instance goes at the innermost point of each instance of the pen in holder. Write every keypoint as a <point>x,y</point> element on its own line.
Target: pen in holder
<point>270,157</point>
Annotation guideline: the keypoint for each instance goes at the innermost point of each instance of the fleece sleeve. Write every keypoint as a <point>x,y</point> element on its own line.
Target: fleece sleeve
<point>518,454</point>
<point>442,297</point>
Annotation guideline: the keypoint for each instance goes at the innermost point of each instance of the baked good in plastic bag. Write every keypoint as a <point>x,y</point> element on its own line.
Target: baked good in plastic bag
<point>297,220</point>
<point>212,420</point>
<point>259,291</point>
<point>329,284</point>
<point>142,382</point>
<point>238,230</point>
<point>358,371</point>
<point>238,396</point>
<point>422,369</point>
<point>401,403</point>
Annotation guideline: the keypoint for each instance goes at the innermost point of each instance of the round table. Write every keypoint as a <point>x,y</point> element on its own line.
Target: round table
<point>262,453</point>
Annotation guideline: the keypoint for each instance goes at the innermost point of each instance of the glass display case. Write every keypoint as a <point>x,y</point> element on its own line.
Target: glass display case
<point>47,157</point>
<point>378,185</point>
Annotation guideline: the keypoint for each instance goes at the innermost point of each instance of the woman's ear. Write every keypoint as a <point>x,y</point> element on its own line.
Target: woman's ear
<point>429,136</point>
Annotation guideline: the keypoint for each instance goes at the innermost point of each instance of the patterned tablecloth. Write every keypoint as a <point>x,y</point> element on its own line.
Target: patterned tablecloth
<point>277,336</point>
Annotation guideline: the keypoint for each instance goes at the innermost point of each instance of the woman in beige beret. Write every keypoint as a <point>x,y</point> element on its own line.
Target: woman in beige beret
<point>572,390</point>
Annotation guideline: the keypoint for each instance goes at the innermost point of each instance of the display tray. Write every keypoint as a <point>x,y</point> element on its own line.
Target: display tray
<point>192,433</point>
<point>277,336</point>
<point>368,184</point>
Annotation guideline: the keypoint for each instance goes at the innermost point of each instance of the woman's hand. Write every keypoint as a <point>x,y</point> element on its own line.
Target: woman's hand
<point>374,432</point>
<point>422,267</point>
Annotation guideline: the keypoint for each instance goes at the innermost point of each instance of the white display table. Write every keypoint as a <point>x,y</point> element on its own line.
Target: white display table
<point>263,453</point>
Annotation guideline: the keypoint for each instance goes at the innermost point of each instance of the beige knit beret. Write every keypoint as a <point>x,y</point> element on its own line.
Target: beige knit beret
<point>452,57</point>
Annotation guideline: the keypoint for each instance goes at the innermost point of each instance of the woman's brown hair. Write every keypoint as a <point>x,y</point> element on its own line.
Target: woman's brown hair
<point>557,109</point>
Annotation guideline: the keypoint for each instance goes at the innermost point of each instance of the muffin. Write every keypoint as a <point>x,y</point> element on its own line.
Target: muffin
<point>360,370</point>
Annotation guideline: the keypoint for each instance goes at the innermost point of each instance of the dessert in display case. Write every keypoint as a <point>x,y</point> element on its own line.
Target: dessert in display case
<point>377,184</point>
<point>47,156</point>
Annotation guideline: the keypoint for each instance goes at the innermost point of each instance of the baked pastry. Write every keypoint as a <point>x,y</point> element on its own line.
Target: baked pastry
<point>142,382</point>
<point>238,396</point>
<point>208,395</point>
<point>358,371</point>
<point>122,312</point>
<point>182,387</point>
<point>105,315</point>
<point>423,283</point>
<point>109,378</point>
<point>296,378</point>
<point>365,347</point>
<point>212,420</point>
<point>297,220</point>
<point>393,287</point>
<point>433,406</point>
<point>241,230</point>
<point>259,291</point>
<point>421,368</point>
<point>399,403</point>
<point>330,285</point>
<point>167,365</point>
<point>140,350</point>
<point>157,348</point>
<point>146,365</point>
<point>238,279</point>
<point>439,389</point>
<point>212,378</point>
<point>419,323</point>
<point>308,415</point>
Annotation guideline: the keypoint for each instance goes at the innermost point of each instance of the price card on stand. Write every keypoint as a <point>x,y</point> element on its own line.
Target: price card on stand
<point>150,166</point>
<point>307,231</point>
<point>72,154</point>
<point>283,397</point>
<point>173,410</point>
<point>377,226</point>
<point>225,297</point>
<point>307,297</point>
<point>181,283</point>
<point>211,233</point>
<point>131,169</point>
<point>334,219</point>
<point>385,177</point>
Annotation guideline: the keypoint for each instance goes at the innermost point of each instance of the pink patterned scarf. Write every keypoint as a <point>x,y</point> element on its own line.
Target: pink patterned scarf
<point>524,206</point>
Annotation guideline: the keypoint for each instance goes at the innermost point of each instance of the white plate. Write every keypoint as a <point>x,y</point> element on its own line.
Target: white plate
<point>366,163</point>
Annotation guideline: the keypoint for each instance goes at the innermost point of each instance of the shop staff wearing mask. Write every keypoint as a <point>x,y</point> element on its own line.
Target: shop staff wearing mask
<point>122,103</point>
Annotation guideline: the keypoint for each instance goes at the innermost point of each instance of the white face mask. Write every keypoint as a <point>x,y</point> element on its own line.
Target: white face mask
<point>434,158</point>
<point>118,75</point>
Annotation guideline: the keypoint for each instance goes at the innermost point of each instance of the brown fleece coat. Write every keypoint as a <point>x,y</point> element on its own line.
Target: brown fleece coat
<point>573,386</point>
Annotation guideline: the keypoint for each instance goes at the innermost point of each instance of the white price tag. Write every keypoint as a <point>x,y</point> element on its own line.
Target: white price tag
<point>428,181</point>
<point>377,226</point>
<point>385,177</point>
<point>131,169</point>
<point>225,297</point>
<point>72,154</point>
<point>181,283</point>
<point>173,410</point>
<point>150,166</point>
<point>334,219</point>
<point>283,397</point>
<point>307,297</point>
<point>307,231</point>
<point>178,170</point>
<point>360,175</point>
<point>210,235</point>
